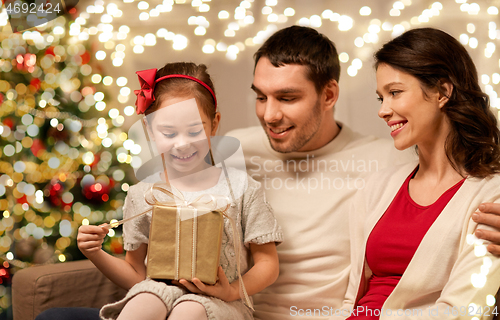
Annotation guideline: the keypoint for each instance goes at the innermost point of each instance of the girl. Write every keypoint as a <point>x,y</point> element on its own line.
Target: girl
<point>414,255</point>
<point>181,114</point>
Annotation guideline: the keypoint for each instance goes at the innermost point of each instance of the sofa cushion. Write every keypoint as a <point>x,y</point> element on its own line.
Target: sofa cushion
<point>70,284</point>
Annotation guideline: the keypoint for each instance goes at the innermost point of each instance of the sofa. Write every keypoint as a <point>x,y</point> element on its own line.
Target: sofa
<point>69,284</point>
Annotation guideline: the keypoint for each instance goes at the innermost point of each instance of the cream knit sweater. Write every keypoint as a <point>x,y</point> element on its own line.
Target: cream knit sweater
<point>451,273</point>
<point>310,193</point>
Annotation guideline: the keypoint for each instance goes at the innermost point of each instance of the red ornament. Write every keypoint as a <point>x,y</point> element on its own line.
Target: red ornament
<point>29,62</point>
<point>19,61</point>
<point>55,192</point>
<point>37,147</point>
<point>96,192</point>
<point>50,50</point>
<point>1,98</point>
<point>97,157</point>
<point>85,57</point>
<point>71,9</point>
<point>5,276</point>
<point>22,200</point>
<point>35,82</point>
<point>9,123</point>
<point>116,247</point>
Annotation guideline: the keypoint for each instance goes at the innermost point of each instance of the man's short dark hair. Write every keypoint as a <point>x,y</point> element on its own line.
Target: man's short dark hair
<point>303,46</point>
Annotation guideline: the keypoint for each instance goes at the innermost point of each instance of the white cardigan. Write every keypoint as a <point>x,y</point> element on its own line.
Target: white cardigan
<point>451,271</point>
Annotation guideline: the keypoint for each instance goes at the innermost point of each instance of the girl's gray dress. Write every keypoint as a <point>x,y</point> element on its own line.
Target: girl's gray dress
<point>254,218</point>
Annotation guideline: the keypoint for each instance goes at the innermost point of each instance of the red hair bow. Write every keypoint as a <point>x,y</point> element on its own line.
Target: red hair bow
<point>145,95</point>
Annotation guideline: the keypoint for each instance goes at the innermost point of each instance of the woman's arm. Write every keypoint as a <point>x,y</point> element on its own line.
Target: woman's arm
<point>263,273</point>
<point>474,277</point>
<point>124,273</point>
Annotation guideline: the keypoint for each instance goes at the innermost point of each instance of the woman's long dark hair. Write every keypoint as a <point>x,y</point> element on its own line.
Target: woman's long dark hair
<point>433,56</point>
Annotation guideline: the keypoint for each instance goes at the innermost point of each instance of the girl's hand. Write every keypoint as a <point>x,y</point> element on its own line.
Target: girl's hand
<point>222,289</point>
<point>90,238</point>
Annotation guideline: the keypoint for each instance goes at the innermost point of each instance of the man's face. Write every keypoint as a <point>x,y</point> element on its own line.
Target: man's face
<point>288,106</point>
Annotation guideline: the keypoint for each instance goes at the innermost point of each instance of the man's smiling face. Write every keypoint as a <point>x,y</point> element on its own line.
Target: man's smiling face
<point>288,106</point>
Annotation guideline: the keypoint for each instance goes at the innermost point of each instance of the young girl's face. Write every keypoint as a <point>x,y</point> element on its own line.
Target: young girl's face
<point>181,130</point>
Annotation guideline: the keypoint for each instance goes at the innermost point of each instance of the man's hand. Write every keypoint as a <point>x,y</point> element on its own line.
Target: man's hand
<point>90,238</point>
<point>222,289</point>
<point>489,214</point>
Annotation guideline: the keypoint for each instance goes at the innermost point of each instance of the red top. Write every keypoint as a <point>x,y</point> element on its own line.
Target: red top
<point>392,244</point>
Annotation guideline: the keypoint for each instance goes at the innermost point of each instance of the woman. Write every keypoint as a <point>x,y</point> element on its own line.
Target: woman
<point>414,255</point>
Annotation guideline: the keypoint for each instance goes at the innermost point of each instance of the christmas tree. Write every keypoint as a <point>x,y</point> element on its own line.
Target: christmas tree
<point>64,158</point>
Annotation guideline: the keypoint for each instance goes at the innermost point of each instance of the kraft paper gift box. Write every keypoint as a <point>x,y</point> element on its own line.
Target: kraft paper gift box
<point>182,246</point>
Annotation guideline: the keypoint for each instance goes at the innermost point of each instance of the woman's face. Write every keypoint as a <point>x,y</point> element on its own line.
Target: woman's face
<point>181,130</point>
<point>414,118</point>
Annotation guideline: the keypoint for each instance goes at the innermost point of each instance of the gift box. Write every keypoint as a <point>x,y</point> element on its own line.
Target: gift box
<point>184,243</point>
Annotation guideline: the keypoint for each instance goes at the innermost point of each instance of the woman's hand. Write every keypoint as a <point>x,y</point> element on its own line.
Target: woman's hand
<point>90,238</point>
<point>222,289</point>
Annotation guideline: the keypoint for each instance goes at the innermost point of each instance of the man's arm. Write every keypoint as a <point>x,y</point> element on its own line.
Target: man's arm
<point>489,214</point>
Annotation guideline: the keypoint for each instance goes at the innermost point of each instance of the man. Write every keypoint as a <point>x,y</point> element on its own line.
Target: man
<point>310,166</point>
